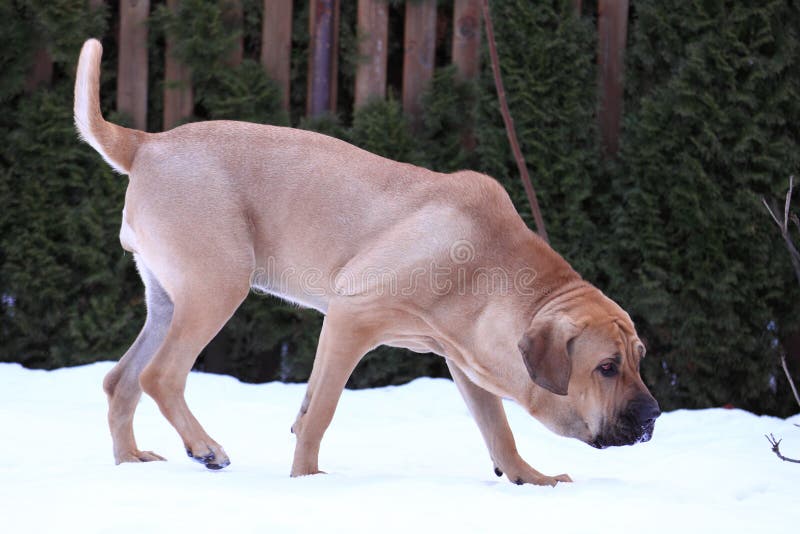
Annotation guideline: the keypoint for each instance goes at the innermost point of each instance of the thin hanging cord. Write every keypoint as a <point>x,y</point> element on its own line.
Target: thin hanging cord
<point>509,122</point>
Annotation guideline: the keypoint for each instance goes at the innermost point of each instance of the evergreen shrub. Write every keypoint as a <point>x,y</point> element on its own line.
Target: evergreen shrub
<point>713,128</point>
<point>672,228</point>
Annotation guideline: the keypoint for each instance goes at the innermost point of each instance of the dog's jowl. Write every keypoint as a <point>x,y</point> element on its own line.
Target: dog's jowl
<point>392,254</point>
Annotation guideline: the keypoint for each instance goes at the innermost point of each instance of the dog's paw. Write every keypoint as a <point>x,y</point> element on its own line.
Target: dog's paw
<point>305,466</point>
<point>538,479</point>
<point>305,474</point>
<point>211,459</point>
<point>520,472</point>
<point>139,456</point>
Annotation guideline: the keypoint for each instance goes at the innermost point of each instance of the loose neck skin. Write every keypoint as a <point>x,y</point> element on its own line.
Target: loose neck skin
<point>485,344</point>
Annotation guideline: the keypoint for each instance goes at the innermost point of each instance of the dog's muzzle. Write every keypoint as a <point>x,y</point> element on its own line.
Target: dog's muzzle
<point>634,425</point>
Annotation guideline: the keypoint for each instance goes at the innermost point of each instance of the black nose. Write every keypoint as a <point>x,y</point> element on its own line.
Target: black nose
<point>647,411</point>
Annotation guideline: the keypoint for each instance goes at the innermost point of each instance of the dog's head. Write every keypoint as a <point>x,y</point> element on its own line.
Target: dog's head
<point>584,353</point>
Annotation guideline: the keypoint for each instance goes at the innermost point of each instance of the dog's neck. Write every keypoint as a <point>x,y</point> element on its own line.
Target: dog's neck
<point>483,341</point>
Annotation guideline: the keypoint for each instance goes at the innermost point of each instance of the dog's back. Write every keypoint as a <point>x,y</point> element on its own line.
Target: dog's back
<point>280,200</point>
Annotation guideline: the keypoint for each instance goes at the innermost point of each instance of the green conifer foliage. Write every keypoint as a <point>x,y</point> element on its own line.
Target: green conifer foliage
<point>547,61</point>
<point>203,40</point>
<point>16,50</point>
<point>244,92</point>
<point>672,228</point>
<point>203,37</point>
<point>695,258</point>
<point>448,121</point>
<point>67,286</point>
<point>62,26</point>
<point>381,128</point>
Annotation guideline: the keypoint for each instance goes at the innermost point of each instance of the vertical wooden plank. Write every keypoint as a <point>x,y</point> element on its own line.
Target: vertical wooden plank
<point>322,57</point>
<point>132,69</point>
<point>612,27</point>
<point>466,38</point>
<point>373,32</point>
<point>276,44</point>
<point>419,55</point>
<point>334,76</point>
<point>234,16</point>
<point>178,94</point>
<point>467,51</point>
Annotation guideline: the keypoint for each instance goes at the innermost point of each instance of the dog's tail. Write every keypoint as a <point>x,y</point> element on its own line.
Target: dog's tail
<point>116,144</point>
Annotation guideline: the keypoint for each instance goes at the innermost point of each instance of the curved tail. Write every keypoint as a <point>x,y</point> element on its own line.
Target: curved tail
<point>116,144</point>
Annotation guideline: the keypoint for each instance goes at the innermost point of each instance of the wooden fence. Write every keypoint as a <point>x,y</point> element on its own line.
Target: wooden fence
<point>420,27</point>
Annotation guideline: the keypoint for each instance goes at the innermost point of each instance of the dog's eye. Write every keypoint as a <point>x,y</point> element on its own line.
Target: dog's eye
<point>608,369</point>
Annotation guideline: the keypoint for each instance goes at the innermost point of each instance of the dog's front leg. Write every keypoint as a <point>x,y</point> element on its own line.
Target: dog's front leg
<point>343,341</point>
<point>487,410</point>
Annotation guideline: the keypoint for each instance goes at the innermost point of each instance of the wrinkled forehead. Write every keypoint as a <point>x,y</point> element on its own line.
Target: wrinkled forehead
<point>611,332</point>
<point>604,336</point>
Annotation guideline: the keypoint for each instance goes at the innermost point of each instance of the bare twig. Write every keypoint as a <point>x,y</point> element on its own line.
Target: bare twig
<point>775,444</point>
<point>794,255</point>
<point>509,122</point>
<point>789,377</point>
<point>771,213</point>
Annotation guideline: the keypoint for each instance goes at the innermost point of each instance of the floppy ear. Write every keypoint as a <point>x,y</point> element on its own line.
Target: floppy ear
<point>545,351</point>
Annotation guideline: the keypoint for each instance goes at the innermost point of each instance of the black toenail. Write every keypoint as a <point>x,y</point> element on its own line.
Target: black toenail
<point>189,452</point>
<point>217,466</point>
<point>498,472</point>
<point>518,482</point>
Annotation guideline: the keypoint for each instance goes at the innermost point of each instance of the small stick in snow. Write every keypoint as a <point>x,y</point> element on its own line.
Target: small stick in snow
<point>775,444</point>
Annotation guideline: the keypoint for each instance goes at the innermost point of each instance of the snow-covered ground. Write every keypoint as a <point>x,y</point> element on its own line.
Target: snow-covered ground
<point>403,458</point>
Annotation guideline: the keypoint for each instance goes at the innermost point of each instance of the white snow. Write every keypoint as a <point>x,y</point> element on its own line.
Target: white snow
<point>407,459</point>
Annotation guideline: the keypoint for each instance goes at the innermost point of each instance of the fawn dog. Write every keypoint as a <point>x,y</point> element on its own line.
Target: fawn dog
<point>390,253</point>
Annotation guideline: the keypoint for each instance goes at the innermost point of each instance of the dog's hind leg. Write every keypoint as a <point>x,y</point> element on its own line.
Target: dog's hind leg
<point>203,303</point>
<point>121,384</point>
<point>343,341</point>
